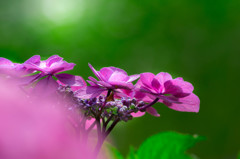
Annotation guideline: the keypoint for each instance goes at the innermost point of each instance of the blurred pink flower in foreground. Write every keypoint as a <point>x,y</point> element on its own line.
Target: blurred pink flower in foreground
<point>32,129</point>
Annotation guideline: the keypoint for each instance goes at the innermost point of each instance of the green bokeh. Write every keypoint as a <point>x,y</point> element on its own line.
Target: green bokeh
<point>194,39</point>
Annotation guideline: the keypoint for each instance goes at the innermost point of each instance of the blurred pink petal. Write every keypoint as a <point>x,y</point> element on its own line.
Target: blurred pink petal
<point>34,129</point>
<point>45,87</point>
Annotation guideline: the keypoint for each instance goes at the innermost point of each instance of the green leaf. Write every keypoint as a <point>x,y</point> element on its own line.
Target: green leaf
<point>132,154</point>
<point>238,156</point>
<point>167,145</point>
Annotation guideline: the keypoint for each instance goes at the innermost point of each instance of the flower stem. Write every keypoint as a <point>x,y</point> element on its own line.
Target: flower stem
<point>108,120</point>
<point>148,105</point>
<point>111,128</point>
<point>100,139</point>
<point>104,135</point>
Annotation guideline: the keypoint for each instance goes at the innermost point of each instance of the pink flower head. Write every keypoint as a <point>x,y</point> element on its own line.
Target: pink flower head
<point>175,93</point>
<point>112,78</point>
<point>12,69</point>
<point>6,64</point>
<point>50,67</point>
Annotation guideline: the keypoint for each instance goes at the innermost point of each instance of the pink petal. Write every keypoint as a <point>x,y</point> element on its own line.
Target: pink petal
<point>92,83</point>
<point>146,79</point>
<point>139,95</point>
<point>148,98</point>
<point>6,66</point>
<point>115,69</point>
<point>64,66</point>
<point>162,77</point>
<point>71,80</point>
<point>122,85</point>
<point>104,84</point>
<point>138,114</point>
<point>178,88</point>
<point>156,85</point>
<point>92,79</point>
<point>94,71</point>
<point>29,79</point>
<point>145,89</point>
<point>153,111</point>
<point>133,78</point>
<point>105,73</point>
<point>190,103</point>
<point>179,78</point>
<point>53,59</point>
<point>89,92</point>
<point>5,62</point>
<point>32,66</point>
<point>34,59</point>
<point>118,76</point>
<point>113,74</point>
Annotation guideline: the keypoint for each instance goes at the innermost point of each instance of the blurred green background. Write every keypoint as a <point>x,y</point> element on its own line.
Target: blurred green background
<point>194,39</point>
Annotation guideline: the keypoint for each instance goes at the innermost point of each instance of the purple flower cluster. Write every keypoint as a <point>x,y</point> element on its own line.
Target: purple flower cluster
<point>41,73</point>
<point>112,88</point>
<point>115,84</point>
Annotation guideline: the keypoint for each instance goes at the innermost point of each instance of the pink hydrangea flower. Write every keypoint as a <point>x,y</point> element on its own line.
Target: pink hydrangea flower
<point>14,69</point>
<point>6,64</point>
<point>110,78</point>
<point>17,72</point>
<point>176,93</point>
<point>49,68</point>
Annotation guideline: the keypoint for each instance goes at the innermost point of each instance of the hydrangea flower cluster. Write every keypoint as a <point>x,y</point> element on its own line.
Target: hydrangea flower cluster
<point>109,98</point>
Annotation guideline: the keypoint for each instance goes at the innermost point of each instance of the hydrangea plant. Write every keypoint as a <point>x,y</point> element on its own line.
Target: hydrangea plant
<point>109,98</point>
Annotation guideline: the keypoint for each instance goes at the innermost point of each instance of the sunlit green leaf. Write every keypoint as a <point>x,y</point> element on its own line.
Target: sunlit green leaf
<point>167,145</point>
